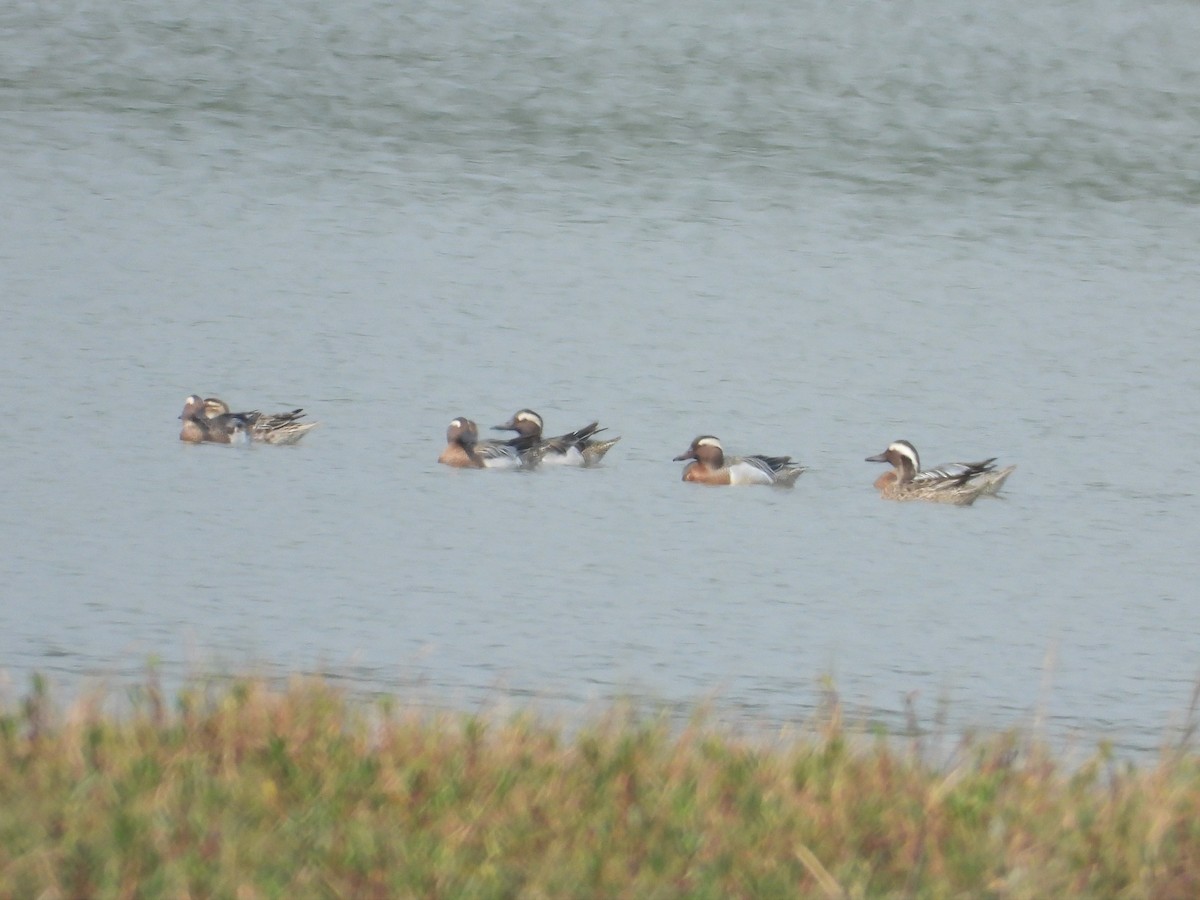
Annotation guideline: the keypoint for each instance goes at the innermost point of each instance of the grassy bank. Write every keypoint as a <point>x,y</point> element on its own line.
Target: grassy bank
<point>248,791</point>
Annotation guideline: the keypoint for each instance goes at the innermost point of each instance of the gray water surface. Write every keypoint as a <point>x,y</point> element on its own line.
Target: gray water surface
<point>808,228</point>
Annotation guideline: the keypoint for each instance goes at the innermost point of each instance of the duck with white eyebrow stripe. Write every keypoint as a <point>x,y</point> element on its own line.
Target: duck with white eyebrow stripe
<point>576,448</point>
<point>464,450</point>
<point>268,428</point>
<point>710,465</point>
<point>957,483</point>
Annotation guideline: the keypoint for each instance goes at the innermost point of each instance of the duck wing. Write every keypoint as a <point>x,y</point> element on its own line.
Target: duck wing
<point>953,474</point>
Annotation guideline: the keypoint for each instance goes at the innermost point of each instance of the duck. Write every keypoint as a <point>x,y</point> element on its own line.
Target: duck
<point>710,465</point>
<point>958,483</point>
<point>464,450</point>
<point>576,448</point>
<point>267,428</point>
<point>199,428</point>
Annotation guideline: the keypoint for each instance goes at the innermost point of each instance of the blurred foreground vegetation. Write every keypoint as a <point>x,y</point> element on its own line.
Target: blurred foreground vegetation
<point>253,791</point>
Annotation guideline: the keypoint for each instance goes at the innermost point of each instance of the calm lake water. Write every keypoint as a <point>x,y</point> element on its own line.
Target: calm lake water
<point>809,228</point>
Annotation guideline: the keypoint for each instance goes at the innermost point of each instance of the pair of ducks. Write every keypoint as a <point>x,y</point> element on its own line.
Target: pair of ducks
<point>960,484</point>
<point>208,420</point>
<point>528,450</point>
<point>955,483</point>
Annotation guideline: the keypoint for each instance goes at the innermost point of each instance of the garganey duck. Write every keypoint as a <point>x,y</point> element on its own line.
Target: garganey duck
<point>576,448</point>
<point>958,483</point>
<point>269,428</point>
<point>199,428</point>
<point>710,465</point>
<point>464,450</point>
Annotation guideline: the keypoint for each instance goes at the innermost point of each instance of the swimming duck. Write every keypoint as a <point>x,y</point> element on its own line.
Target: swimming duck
<point>711,466</point>
<point>576,448</point>
<point>269,428</point>
<point>464,450</point>
<point>958,483</point>
<point>198,428</point>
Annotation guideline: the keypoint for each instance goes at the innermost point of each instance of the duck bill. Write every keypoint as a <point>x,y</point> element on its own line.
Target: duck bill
<point>878,457</point>
<point>691,454</point>
<point>510,425</point>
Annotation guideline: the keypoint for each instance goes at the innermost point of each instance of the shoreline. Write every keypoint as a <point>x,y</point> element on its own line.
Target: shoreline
<point>254,789</point>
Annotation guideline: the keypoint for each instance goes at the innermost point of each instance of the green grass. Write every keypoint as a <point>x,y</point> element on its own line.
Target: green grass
<point>248,791</point>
